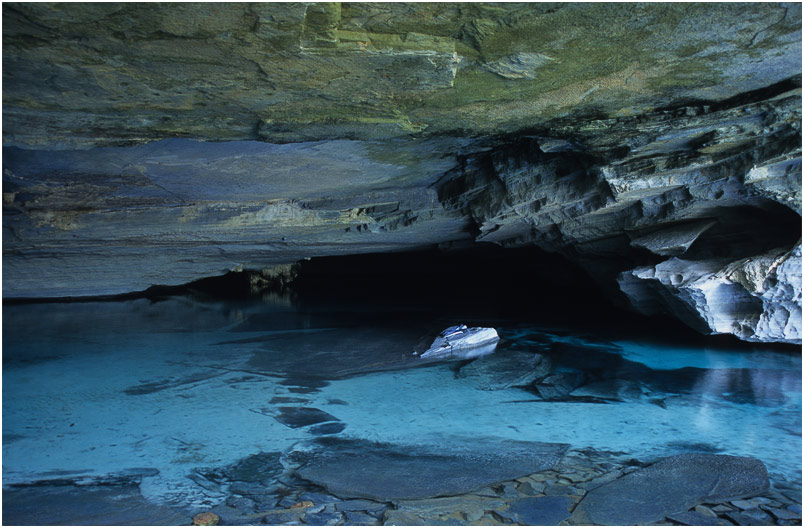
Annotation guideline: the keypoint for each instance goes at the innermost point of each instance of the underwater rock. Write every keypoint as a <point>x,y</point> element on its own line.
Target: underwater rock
<point>750,517</point>
<point>241,504</point>
<point>359,518</point>
<point>334,354</point>
<point>360,469</point>
<point>282,517</point>
<point>695,518</point>
<point>559,385</point>
<point>299,417</point>
<point>505,369</point>
<point>435,507</point>
<point>359,505</point>
<point>670,486</point>
<point>85,505</point>
<point>784,514</point>
<point>543,510</point>
<point>611,388</point>
<point>327,428</point>
<point>322,518</point>
<point>396,517</point>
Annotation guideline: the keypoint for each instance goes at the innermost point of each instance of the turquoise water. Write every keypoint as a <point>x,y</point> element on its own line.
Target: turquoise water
<point>97,389</point>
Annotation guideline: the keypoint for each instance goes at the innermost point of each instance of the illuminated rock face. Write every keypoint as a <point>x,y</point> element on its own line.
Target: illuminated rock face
<point>156,144</point>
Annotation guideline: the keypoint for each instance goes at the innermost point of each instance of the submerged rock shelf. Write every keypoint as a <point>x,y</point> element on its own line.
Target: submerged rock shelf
<point>584,487</point>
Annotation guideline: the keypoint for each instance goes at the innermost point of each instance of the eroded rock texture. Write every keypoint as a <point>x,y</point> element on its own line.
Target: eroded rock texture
<point>657,145</point>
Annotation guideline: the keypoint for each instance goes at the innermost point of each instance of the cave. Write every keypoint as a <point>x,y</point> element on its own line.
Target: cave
<point>463,263</point>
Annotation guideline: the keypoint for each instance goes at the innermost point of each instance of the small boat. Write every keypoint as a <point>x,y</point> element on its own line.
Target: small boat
<point>459,338</point>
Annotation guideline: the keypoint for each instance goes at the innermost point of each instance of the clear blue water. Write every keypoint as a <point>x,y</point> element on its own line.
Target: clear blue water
<point>93,389</point>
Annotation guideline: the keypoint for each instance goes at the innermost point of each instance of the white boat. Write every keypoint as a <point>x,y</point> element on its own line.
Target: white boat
<point>454,341</point>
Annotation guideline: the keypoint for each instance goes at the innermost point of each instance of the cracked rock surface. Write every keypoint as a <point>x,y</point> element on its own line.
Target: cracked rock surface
<point>658,146</point>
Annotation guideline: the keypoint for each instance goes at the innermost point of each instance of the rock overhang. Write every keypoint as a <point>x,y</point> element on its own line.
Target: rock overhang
<point>305,71</point>
<point>171,142</point>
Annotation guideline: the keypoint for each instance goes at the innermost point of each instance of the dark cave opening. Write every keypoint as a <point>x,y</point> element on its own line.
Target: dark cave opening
<point>747,230</point>
<point>482,283</point>
<point>485,278</point>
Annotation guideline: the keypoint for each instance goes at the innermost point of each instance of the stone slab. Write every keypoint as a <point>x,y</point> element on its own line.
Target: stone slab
<point>298,417</point>
<point>401,518</point>
<point>360,469</point>
<point>322,518</point>
<point>359,518</point>
<point>90,505</point>
<point>434,507</point>
<point>696,518</point>
<point>505,369</point>
<point>543,510</point>
<point>672,485</point>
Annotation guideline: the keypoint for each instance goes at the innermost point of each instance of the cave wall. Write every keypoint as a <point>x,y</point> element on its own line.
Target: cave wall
<point>656,145</point>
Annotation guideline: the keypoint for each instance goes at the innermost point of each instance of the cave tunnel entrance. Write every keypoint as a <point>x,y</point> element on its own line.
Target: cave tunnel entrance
<point>484,278</point>
<point>482,283</point>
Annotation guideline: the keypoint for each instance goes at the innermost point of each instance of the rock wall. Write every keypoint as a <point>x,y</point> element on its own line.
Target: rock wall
<point>657,145</point>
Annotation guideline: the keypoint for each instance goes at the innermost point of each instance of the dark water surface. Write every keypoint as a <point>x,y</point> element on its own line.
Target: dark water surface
<point>168,391</point>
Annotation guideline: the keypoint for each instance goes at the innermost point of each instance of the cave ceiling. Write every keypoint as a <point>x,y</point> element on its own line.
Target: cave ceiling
<point>656,145</point>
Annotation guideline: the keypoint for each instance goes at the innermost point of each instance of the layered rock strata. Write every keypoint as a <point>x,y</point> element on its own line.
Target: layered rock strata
<point>659,146</point>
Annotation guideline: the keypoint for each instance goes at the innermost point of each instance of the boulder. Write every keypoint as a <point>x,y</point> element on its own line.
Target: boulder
<point>670,486</point>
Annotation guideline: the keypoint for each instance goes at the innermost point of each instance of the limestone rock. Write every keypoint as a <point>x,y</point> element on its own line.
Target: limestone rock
<point>696,518</point>
<point>323,518</point>
<point>672,485</point>
<point>505,369</point>
<point>521,65</point>
<point>674,240</point>
<point>757,298</point>
<point>298,72</point>
<point>559,385</point>
<point>106,505</point>
<point>543,510</point>
<point>396,517</point>
<point>435,507</point>
<point>171,142</point>
<point>383,472</point>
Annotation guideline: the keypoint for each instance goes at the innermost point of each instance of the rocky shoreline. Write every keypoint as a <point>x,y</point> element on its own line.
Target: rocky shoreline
<point>555,496</point>
<point>586,487</point>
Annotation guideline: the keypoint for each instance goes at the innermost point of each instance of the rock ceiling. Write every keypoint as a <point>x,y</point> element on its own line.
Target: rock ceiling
<point>657,145</point>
